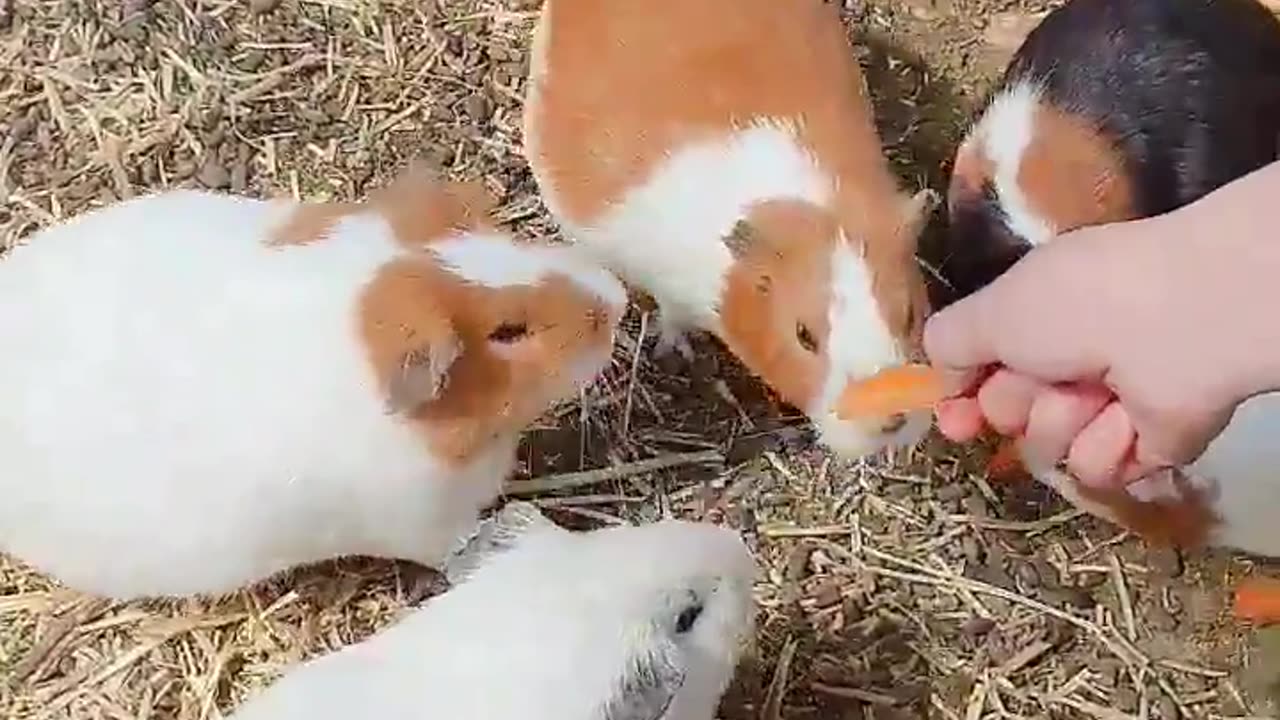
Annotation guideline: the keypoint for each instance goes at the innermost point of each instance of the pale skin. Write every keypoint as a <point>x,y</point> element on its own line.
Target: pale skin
<point>1122,348</point>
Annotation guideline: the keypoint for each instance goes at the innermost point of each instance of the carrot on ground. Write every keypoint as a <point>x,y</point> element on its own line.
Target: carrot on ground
<point>896,390</point>
<point>1258,600</point>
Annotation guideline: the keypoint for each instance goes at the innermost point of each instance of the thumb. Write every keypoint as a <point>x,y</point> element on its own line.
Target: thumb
<point>1038,318</point>
<point>956,338</point>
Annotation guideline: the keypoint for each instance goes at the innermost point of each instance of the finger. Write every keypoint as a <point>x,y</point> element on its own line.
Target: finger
<point>1166,442</point>
<point>1005,399</point>
<point>957,383</point>
<point>1058,413</point>
<point>957,338</point>
<point>1102,448</point>
<point>1132,471</point>
<point>960,419</point>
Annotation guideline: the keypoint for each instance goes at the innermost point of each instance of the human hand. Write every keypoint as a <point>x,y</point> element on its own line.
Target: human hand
<point>1116,348</point>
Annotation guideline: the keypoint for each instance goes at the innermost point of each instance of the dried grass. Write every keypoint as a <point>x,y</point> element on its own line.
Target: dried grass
<point>908,587</point>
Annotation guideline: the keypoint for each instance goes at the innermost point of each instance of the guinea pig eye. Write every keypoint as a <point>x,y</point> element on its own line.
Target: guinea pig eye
<point>507,333</point>
<point>687,618</point>
<point>805,337</point>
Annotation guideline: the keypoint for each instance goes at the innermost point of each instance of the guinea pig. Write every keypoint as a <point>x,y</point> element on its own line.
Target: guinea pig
<point>1226,497</point>
<point>202,390</point>
<point>1112,111</point>
<point>722,156</point>
<point>626,623</point>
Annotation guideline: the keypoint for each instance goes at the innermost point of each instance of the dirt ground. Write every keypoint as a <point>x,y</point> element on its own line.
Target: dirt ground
<point>905,587</point>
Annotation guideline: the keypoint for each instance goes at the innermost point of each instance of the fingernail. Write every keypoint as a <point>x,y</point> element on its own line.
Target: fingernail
<point>957,382</point>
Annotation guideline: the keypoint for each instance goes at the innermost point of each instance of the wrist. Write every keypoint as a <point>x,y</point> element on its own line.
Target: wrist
<point>1232,254</point>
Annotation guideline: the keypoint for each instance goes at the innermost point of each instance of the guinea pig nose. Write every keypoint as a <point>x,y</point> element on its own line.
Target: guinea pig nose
<point>894,423</point>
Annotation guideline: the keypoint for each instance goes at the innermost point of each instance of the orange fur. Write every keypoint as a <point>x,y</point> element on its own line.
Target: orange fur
<point>1073,176</point>
<point>1186,522</point>
<point>748,297</point>
<point>414,304</point>
<point>310,222</point>
<point>706,67</point>
<point>419,207</point>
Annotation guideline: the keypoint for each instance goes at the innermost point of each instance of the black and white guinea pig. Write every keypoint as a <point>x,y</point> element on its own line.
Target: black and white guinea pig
<point>1112,111</point>
<point>626,623</point>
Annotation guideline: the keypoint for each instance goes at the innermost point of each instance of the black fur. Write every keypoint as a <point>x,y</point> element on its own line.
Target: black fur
<point>1187,90</point>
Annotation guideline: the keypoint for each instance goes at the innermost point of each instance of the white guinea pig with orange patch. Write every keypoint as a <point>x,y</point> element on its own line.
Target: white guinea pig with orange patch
<point>722,156</point>
<point>1112,111</point>
<point>202,390</point>
<point>626,623</point>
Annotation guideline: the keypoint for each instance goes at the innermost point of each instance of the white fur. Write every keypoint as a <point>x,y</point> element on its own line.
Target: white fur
<point>187,410</point>
<point>1004,132</point>
<point>863,348</point>
<point>494,261</point>
<point>1243,463</point>
<point>666,236</point>
<point>543,630</point>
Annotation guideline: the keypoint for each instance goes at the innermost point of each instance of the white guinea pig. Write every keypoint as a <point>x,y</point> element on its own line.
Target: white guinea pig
<point>627,623</point>
<point>722,156</point>
<point>1117,110</point>
<point>201,390</point>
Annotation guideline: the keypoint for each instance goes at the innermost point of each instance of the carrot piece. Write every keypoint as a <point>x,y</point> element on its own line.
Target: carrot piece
<point>895,390</point>
<point>1258,600</point>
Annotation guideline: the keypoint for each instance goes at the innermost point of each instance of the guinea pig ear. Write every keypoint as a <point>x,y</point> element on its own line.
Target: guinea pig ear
<point>495,534</point>
<point>422,374</point>
<point>741,239</point>
<point>649,688</point>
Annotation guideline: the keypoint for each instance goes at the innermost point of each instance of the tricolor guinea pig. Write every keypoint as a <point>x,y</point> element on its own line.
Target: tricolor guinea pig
<point>202,390</point>
<point>627,623</point>
<point>722,156</point>
<point>1111,111</point>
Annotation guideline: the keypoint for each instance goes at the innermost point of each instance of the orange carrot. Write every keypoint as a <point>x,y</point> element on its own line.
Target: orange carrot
<point>1258,600</point>
<point>895,390</point>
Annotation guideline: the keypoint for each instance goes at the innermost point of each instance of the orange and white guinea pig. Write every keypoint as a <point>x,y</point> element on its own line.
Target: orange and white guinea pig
<point>202,390</point>
<point>721,155</point>
<point>1111,111</point>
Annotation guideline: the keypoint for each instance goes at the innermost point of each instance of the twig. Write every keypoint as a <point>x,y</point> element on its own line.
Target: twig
<point>1024,657</point>
<point>866,696</point>
<point>772,709</point>
<point>930,576</point>
<point>1126,603</point>
<point>565,481</point>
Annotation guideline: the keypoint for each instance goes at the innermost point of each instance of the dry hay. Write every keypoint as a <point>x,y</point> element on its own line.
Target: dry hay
<point>909,588</point>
